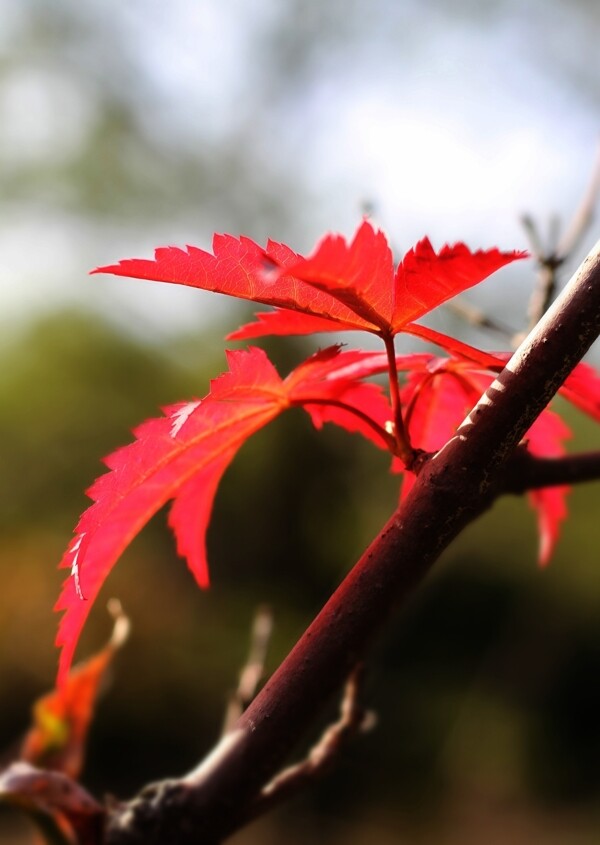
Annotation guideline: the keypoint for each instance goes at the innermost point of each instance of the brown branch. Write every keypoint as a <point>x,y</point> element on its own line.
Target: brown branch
<point>525,471</point>
<point>451,490</point>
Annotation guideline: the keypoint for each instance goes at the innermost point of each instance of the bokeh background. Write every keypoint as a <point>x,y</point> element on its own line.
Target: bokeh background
<point>125,125</point>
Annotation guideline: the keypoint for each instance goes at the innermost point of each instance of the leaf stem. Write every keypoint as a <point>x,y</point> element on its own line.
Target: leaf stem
<point>388,439</point>
<point>403,448</point>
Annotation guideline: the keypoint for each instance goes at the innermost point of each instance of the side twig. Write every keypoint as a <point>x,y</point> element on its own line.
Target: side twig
<point>322,756</point>
<point>551,258</point>
<point>476,317</point>
<point>254,669</point>
<point>525,472</point>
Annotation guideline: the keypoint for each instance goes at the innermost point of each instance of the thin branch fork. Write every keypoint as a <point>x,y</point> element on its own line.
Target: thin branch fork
<point>353,718</point>
<point>551,258</point>
<point>254,668</point>
<point>452,489</point>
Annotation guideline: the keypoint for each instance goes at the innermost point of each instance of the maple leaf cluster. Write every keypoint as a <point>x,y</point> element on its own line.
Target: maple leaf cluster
<point>342,286</point>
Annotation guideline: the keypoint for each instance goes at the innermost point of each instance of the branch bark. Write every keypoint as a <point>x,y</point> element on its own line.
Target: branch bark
<point>452,489</point>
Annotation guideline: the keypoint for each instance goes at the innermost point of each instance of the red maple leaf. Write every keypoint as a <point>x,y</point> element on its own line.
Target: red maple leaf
<point>342,286</point>
<point>182,457</point>
<point>545,439</point>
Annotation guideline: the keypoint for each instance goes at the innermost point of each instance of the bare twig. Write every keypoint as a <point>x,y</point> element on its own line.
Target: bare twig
<point>550,258</point>
<point>535,243</point>
<point>545,288</point>
<point>353,719</point>
<point>583,217</point>
<point>476,317</point>
<point>253,671</point>
<point>121,626</point>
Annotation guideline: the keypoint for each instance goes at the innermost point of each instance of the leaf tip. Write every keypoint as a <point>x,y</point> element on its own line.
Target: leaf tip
<point>107,268</point>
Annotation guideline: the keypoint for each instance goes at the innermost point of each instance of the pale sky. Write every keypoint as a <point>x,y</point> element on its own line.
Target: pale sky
<point>451,125</point>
